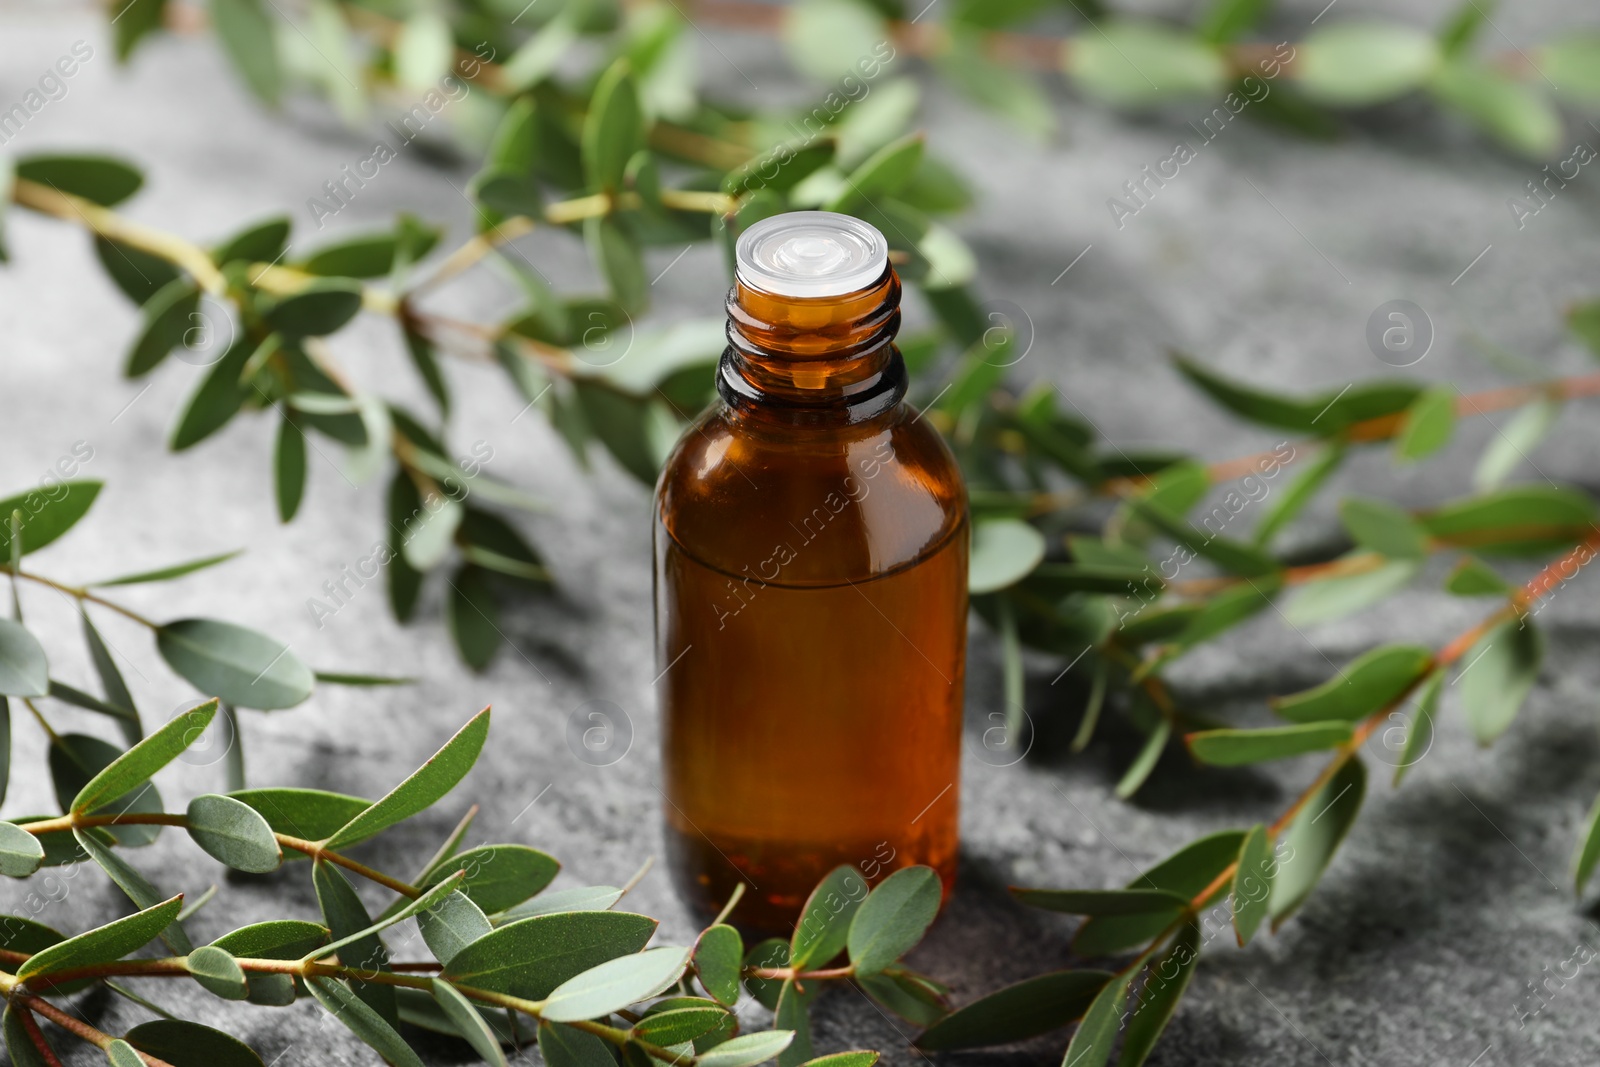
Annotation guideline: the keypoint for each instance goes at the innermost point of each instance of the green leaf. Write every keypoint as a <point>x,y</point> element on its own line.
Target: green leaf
<point>1515,442</point>
<point>98,179</point>
<point>104,944</point>
<point>233,833</point>
<point>1091,1042</point>
<point>451,925</point>
<point>134,885</point>
<point>427,363</point>
<point>216,400</point>
<point>186,1044</point>
<point>249,36</point>
<point>824,923</point>
<point>19,1045</point>
<point>893,918</point>
<point>674,1026</point>
<point>1144,763</point>
<point>1473,577</point>
<point>139,274</point>
<point>473,615</point>
<point>217,970</point>
<point>1314,836</point>
<point>320,308</point>
<point>792,1015</point>
<point>289,467</point>
<point>1103,901</point>
<point>167,317</point>
<point>1334,598</point>
<point>1496,675</point>
<point>1352,64</point>
<point>1419,734</point>
<point>134,767</point>
<point>1293,499</point>
<point>162,574</point>
<point>531,957</point>
<point>5,746</point>
<point>116,689</point>
<point>1234,748</point>
<point>1186,873</point>
<point>425,786</point>
<point>1252,883</point>
<point>20,852</point>
<point>498,876</point>
<point>1004,551</point>
<point>581,898</point>
<point>48,515</point>
<point>305,813</point>
<point>717,958</point>
<point>121,1054</point>
<point>904,993</point>
<point>564,1046</point>
<point>827,39</point>
<point>347,918</point>
<point>1370,682</point>
<point>363,1021</point>
<point>1017,1012</point>
<point>368,256</point>
<point>1235,557</point>
<point>782,168</point>
<point>1226,20</point>
<point>473,1029</point>
<point>75,759</point>
<point>1523,520</point>
<point>1135,64</point>
<point>1164,985</point>
<point>615,984</point>
<point>881,174</point>
<point>89,702</point>
<point>620,263</point>
<point>1571,60</point>
<point>277,939</point>
<point>1429,422</point>
<point>261,242</point>
<point>613,130</point>
<point>1516,113</point>
<point>1228,609</point>
<point>747,1049</point>
<point>1588,853</point>
<point>132,21</point>
<point>24,671</point>
<point>240,666</point>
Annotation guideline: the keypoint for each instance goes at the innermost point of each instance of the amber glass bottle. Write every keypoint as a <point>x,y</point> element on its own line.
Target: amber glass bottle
<point>811,591</point>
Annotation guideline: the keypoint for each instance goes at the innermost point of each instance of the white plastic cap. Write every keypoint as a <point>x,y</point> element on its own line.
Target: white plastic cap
<point>811,254</point>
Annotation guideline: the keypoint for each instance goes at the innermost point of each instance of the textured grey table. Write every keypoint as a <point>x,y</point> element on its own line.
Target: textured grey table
<point>1265,257</point>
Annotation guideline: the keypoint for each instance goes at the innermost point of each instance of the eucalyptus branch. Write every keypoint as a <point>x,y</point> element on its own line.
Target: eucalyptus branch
<point>72,1024</point>
<point>83,593</point>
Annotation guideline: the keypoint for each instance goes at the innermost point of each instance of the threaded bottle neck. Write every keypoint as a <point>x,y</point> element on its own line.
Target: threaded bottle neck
<point>813,359</point>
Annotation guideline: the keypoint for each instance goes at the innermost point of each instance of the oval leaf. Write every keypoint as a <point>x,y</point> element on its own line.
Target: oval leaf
<point>615,984</point>
<point>893,918</point>
<point>245,668</point>
<point>234,833</point>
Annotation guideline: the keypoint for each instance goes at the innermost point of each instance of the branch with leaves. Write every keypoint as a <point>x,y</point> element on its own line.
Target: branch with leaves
<point>511,963</point>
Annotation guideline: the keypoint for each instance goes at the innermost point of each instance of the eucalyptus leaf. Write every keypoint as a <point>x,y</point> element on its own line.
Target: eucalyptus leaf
<point>218,972</point>
<point>47,514</point>
<point>425,786</point>
<point>718,956</point>
<point>103,944</point>
<point>893,918</point>
<point>615,984</point>
<point>135,767</point>
<point>370,1026</point>
<point>824,924</point>
<point>1496,676</point>
<point>1003,552</point>
<point>1017,1012</point>
<point>24,672</point>
<point>186,1044</point>
<point>233,833</point>
<point>1313,837</point>
<point>235,664</point>
<point>1252,883</point>
<point>531,957</point>
<point>1365,685</point>
<point>20,852</point>
<point>468,1022</point>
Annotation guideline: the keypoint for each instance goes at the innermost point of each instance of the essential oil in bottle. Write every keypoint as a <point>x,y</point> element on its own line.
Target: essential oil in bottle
<point>811,591</point>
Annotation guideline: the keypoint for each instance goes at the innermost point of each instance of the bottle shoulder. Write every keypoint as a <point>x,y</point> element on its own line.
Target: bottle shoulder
<point>810,505</point>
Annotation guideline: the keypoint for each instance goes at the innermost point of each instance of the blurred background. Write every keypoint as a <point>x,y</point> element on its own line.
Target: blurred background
<point>1258,186</point>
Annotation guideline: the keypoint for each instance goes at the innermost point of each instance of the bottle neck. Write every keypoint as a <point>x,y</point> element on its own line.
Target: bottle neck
<point>813,360</point>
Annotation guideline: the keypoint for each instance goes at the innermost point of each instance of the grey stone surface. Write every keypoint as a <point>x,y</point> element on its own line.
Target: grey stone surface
<point>1265,257</point>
